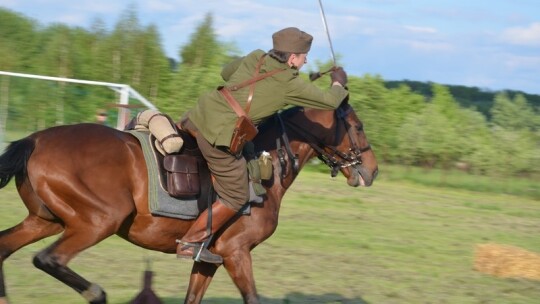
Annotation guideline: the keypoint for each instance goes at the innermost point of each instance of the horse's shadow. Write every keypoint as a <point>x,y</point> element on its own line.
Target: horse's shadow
<point>291,298</point>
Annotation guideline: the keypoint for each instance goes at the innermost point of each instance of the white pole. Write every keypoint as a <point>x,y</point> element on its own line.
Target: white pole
<point>138,96</point>
<point>125,92</point>
<point>123,112</point>
<point>108,84</point>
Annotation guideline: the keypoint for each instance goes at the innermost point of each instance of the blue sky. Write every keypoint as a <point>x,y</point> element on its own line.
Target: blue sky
<point>488,44</point>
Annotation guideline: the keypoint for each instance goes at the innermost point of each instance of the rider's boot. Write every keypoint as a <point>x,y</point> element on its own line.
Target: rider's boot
<point>192,244</point>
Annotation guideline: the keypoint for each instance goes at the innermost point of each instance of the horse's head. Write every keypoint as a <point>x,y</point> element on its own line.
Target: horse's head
<point>346,147</point>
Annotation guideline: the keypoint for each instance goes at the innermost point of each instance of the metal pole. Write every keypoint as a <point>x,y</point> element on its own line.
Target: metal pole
<point>323,16</point>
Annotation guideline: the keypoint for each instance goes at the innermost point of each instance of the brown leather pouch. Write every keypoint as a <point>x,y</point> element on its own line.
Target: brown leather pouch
<point>182,175</point>
<point>244,131</point>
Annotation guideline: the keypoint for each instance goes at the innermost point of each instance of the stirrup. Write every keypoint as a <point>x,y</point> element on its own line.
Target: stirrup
<point>197,249</point>
<point>201,253</point>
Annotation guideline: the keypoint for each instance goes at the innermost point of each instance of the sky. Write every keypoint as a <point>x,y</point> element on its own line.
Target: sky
<point>490,44</point>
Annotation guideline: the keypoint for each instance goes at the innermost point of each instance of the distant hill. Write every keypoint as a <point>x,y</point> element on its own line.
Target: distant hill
<point>468,97</point>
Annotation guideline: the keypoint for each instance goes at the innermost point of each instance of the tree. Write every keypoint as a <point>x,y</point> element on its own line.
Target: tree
<point>400,103</point>
<point>517,152</point>
<point>57,59</point>
<point>368,96</point>
<point>514,114</point>
<point>477,144</point>
<point>203,49</point>
<point>383,111</point>
<point>134,56</point>
<point>121,46</point>
<point>16,44</point>
<point>154,68</point>
<point>429,139</point>
<point>445,102</point>
<point>199,71</point>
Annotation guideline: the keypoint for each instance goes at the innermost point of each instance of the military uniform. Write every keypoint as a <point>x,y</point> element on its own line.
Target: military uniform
<point>215,119</point>
<point>212,121</point>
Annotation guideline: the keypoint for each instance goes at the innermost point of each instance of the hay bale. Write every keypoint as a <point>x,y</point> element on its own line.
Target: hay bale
<point>507,261</point>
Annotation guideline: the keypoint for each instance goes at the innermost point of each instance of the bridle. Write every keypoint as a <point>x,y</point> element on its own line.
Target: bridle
<point>328,154</point>
<point>351,158</point>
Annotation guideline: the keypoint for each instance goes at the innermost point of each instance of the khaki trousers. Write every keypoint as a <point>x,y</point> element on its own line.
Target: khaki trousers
<point>230,173</point>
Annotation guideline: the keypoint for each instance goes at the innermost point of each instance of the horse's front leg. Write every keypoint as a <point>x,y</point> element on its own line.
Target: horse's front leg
<point>238,265</point>
<point>201,276</point>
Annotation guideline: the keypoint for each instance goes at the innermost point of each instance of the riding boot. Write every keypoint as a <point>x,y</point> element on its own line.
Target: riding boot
<point>192,244</point>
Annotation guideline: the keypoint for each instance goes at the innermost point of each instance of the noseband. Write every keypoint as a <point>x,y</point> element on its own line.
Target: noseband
<point>329,154</point>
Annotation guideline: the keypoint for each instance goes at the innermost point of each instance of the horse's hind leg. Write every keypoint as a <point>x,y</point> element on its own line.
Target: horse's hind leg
<point>32,229</point>
<point>53,260</point>
<point>201,276</point>
<point>78,235</point>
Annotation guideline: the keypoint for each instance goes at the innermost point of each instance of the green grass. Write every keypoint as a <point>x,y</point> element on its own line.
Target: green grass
<point>395,242</point>
<point>519,186</point>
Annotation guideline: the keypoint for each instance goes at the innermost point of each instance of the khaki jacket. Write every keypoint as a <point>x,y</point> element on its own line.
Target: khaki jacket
<point>215,119</point>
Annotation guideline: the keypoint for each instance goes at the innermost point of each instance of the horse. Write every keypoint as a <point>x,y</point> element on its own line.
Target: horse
<point>89,181</point>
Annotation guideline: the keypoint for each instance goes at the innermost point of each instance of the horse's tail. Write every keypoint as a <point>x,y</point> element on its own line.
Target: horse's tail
<point>13,161</point>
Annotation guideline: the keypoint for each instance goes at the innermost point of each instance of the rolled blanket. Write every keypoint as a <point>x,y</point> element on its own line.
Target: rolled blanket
<point>167,139</point>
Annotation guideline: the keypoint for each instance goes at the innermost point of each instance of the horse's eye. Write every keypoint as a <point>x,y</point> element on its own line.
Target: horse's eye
<point>360,128</point>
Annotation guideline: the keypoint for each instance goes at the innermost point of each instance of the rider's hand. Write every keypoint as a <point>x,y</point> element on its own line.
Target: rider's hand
<point>339,75</point>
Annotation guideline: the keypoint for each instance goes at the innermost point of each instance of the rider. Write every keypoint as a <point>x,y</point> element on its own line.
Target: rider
<point>212,122</point>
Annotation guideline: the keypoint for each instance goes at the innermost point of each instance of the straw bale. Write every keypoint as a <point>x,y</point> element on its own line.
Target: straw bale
<point>507,261</point>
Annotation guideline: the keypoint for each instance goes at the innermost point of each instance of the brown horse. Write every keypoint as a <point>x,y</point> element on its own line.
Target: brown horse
<point>89,182</point>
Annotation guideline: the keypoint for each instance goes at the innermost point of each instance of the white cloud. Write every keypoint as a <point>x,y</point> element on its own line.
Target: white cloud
<point>420,29</point>
<point>429,46</point>
<point>523,35</point>
<point>522,62</point>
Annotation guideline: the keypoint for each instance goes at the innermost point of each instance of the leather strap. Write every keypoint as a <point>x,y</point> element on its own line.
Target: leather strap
<point>232,102</point>
<point>256,77</point>
<point>167,137</point>
<point>226,91</point>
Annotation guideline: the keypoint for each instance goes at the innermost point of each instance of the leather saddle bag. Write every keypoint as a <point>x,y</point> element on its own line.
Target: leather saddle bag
<point>182,175</point>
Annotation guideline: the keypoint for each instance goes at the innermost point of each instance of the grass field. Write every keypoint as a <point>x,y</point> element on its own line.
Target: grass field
<point>396,242</point>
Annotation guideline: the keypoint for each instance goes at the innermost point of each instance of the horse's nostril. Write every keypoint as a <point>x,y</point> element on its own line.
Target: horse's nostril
<point>375,173</point>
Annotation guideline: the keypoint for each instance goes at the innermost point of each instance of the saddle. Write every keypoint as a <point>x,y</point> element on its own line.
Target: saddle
<point>181,174</point>
<point>185,175</point>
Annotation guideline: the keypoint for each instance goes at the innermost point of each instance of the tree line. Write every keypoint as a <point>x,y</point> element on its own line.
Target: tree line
<point>480,98</point>
<point>418,124</point>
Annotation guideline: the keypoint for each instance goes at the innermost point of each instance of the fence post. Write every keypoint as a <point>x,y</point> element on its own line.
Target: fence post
<point>123,112</point>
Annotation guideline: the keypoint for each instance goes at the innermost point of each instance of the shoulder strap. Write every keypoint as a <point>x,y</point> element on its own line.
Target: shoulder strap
<point>251,82</point>
<point>256,77</point>
<point>232,102</point>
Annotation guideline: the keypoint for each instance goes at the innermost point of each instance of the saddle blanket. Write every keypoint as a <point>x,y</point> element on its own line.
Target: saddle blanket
<point>159,201</point>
